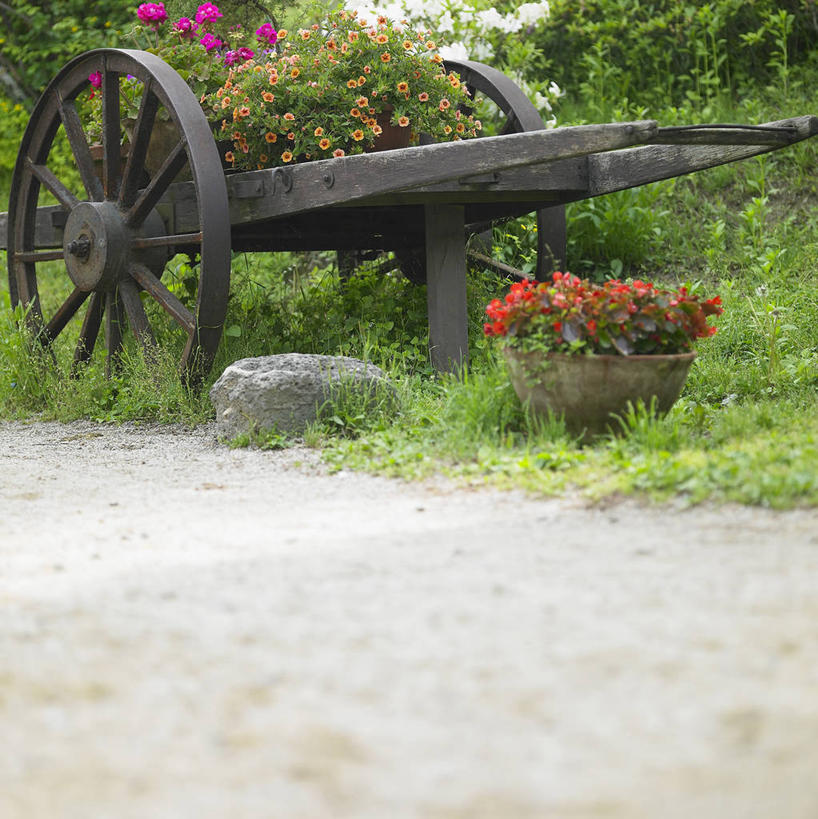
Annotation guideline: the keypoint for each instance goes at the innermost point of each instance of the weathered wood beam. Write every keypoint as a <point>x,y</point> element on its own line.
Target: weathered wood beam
<point>446,287</point>
<point>273,193</point>
<point>632,167</point>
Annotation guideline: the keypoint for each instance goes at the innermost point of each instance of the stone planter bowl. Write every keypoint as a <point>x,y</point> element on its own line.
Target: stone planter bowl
<point>587,390</point>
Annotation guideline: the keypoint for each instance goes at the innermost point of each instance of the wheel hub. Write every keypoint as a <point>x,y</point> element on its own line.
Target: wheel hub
<point>96,244</point>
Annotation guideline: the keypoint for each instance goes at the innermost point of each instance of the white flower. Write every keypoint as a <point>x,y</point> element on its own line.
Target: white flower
<point>481,51</point>
<point>445,22</point>
<point>554,89</point>
<point>455,51</point>
<point>530,13</point>
<point>541,103</point>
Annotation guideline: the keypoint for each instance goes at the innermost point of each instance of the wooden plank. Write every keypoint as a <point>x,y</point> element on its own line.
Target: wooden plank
<point>632,167</point>
<point>512,185</point>
<point>314,185</point>
<point>446,287</point>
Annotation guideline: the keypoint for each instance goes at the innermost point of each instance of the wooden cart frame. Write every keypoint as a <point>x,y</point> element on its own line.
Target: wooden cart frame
<point>116,236</point>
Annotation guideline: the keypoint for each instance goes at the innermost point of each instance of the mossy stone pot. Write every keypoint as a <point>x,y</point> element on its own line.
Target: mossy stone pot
<point>588,390</point>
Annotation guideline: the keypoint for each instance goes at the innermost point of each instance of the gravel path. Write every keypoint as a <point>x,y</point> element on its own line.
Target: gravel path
<point>190,631</point>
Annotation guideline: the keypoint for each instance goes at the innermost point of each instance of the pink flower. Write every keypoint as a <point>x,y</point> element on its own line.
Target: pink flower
<point>231,58</point>
<point>246,53</point>
<point>185,27</point>
<point>210,42</point>
<point>95,79</point>
<point>207,13</point>
<point>153,14</point>
<point>266,34</point>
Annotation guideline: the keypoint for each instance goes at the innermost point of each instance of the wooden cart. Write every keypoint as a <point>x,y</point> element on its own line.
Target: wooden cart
<point>116,234</point>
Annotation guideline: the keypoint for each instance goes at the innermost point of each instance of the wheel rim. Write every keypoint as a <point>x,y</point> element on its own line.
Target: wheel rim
<point>114,242</point>
<point>521,115</point>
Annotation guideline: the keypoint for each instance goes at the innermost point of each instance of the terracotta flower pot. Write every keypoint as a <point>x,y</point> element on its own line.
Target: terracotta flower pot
<point>587,390</point>
<point>391,136</point>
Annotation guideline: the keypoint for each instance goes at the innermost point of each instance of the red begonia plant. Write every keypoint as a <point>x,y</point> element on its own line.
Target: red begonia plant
<point>569,314</point>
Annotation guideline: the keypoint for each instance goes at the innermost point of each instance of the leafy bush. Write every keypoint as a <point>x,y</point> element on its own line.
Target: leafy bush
<point>665,53</point>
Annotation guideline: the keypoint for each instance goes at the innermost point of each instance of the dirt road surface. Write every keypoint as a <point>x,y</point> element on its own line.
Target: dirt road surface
<point>190,631</point>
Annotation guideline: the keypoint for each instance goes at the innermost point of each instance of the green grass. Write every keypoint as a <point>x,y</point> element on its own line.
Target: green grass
<point>744,430</point>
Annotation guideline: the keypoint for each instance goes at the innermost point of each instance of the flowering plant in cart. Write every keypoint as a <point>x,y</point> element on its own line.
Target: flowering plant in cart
<point>202,48</point>
<point>333,87</point>
<point>573,315</point>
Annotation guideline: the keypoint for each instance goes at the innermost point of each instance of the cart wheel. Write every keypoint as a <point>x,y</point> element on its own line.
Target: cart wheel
<point>521,115</point>
<point>115,243</point>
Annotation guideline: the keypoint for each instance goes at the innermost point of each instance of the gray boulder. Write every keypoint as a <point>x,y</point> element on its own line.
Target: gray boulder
<point>285,391</point>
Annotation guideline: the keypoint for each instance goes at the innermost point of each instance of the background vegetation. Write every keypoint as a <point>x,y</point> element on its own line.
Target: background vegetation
<point>746,428</point>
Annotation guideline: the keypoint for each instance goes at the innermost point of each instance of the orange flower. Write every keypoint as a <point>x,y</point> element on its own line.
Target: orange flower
<point>305,35</point>
<point>267,96</point>
<point>319,131</point>
<point>437,58</point>
<point>403,121</point>
<point>291,136</point>
<point>220,92</point>
<point>295,72</point>
<point>460,127</point>
<point>236,134</point>
<point>283,33</point>
<point>338,152</point>
<point>430,45</point>
<point>352,36</point>
<point>226,102</point>
<point>290,117</point>
<point>262,157</point>
<point>355,112</point>
<point>403,87</point>
<point>382,38</point>
<point>286,156</point>
<point>377,130</point>
<point>423,96</point>
<point>407,44</point>
<point>361,80</point>
<point>358,135</point>
<point>444,105</point>
<point>331,45</point>
<point>324,144</point>
<point>367,69</point>
<point>352,83</point>
<point>270,136</point>
<point>386,57</point>
<point>229,157</point>
<point>371,123</point>
<point>273,79</point>
<point>344,48</point>
<point>361,102</point>
<point>447,129</point>
<point>454,81</point>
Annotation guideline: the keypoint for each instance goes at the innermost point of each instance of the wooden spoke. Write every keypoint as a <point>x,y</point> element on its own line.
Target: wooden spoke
<point>135,165</point>
<point>57,189</point>
<point>66,312</point>
<point>79,148</point>
<point>114,324</point>
<point>158,185</point>
<point>136,314</point>
<point>111,133</point>
<point>167,301</point>
<point>89,331</point>
<point>164,241</point>
<point>40,256</point>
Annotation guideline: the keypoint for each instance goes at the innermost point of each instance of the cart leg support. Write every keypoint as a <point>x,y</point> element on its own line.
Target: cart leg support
<point>446,287</point>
